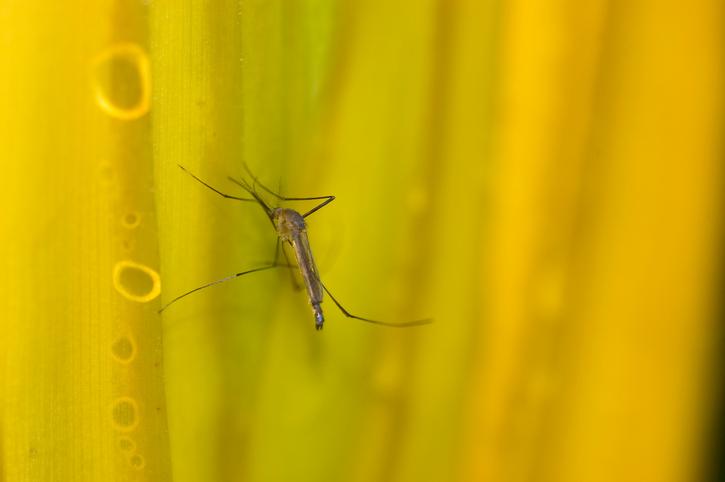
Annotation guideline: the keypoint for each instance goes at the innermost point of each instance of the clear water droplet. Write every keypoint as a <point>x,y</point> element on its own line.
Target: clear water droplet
<point>131,220</point>
<point>126,444</point>
<point>128,244</point>
<point>121,81</point>
<point>124,414</point>
<point>137,461</point>
<point>136,281</point>
<point>124,349</point>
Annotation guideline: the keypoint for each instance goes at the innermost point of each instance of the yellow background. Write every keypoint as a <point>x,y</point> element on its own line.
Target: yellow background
<point>542,178</point>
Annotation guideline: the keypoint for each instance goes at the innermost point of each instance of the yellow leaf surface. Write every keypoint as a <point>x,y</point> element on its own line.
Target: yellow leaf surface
<point>81,387</point>
<point>543,179</point>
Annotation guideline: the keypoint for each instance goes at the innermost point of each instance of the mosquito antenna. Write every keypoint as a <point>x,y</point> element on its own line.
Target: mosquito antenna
<point>214,189</point>
<point>404,324</point>
<point>245,185</point>
<point>256,181</point>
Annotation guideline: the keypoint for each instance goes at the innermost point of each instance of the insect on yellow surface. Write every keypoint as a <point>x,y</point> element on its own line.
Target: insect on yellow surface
<point>291,228</point>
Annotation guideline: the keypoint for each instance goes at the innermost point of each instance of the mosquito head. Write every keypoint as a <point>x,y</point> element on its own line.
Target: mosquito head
<point>319,317</point>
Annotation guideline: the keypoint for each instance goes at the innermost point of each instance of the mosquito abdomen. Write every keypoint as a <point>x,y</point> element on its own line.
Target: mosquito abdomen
<point>291,228</point>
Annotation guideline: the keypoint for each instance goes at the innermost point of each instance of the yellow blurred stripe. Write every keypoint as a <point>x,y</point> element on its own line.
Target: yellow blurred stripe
<point>600,296</point>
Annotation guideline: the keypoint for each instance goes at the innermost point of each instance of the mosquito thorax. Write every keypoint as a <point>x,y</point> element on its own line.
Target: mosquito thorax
<point>288,222</point>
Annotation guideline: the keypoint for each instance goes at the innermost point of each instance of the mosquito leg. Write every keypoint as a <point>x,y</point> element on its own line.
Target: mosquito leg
<point>327,199</point>
<point>319,206</point>
<point>222,280</point>
<point>244,185</point>
<point>274,264</point>
<point>376,322</point>
<point>214,189</point>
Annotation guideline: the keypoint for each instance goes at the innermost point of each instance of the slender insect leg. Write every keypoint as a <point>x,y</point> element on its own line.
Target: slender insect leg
<point>222,280</point>
<point>319,206</point>
<point>376,322</point>
<point>274,264</point>
<point>327,199</point>
<point>228,196</point>
<point>252,192</point>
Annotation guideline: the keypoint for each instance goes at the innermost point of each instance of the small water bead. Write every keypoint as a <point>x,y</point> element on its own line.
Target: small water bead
<point>124,414</point>
<point>128,244</point>
<point>136,281</point>
<point>131,220</point>
<point>137,461</point>
<point>121,80</point>
<point>126,444</point>
<point>123,349</point>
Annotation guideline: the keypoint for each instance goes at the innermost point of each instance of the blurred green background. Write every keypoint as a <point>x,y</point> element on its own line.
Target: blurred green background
<point>541,178</point>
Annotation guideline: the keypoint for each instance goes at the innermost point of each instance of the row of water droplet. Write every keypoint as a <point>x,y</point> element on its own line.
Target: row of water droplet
<point>121,86</point>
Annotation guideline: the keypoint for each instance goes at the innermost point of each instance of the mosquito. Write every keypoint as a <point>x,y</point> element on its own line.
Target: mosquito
<point>291,228</point>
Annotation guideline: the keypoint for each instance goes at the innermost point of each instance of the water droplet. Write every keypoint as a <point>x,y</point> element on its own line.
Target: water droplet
<point>136,281</point>
<point>128,244</point>
<point>126,444</point>
<point>124,414</point>
<point>131,220</point>
<point>137,461</point>
<point>124,349</point>
<point>122,81</point>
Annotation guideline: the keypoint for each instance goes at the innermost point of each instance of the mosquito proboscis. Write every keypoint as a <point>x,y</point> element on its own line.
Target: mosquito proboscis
<point>291,228</point>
